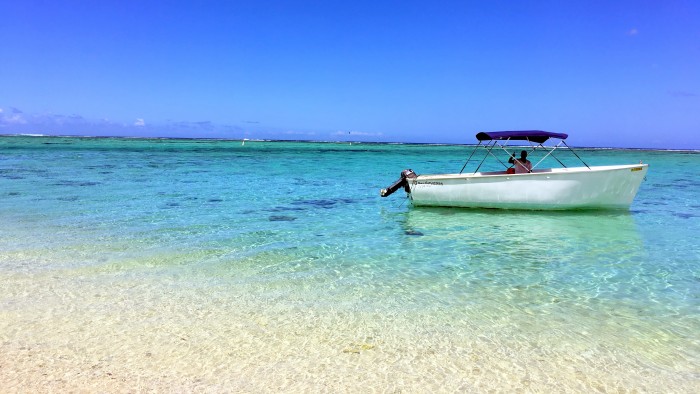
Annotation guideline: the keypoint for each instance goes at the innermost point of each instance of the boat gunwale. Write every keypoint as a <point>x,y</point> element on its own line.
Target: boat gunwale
<point>534,173</point>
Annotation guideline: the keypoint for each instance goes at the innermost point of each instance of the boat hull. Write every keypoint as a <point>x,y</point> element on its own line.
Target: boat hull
<point>601,187</point>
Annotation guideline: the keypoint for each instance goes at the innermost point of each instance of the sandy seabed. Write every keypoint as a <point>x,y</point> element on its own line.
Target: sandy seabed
<point>145,338</point>
<point>299,363</point>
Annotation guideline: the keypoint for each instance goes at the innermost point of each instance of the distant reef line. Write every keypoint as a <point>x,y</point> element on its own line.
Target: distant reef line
<point>408,143</point>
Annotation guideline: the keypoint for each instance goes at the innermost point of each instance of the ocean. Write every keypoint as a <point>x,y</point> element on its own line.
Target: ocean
<point>209,265</point>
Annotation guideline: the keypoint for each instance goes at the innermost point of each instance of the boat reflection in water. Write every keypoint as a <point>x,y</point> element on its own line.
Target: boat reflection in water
<point>579,252</point>
<point>548,233</point>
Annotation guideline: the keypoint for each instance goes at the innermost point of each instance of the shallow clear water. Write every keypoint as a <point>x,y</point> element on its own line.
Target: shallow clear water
<point>212,265</point>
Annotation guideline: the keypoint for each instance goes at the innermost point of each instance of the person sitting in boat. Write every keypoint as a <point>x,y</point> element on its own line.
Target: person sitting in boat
<point>522,165</point>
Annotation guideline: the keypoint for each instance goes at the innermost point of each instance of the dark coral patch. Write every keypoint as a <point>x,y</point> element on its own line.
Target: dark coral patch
<point>281,218</point>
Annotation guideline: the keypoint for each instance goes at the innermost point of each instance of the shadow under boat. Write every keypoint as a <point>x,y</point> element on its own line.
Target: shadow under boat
<point>602,234</point>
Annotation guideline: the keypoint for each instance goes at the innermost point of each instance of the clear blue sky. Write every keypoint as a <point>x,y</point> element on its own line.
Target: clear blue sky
<point>609,73</point>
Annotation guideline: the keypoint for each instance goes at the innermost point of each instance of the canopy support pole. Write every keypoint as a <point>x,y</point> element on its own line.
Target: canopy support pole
<point>470,157</point>
<point>549,152</point>
<point>572,151</point>
<point>504,149</point>
<point>495,143</point>
<point>487,155</point>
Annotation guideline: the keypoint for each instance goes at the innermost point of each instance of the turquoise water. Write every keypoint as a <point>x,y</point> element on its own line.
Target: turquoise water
<point>212,265</point>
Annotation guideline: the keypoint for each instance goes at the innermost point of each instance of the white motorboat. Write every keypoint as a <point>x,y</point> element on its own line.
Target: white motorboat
<point>586,187</point>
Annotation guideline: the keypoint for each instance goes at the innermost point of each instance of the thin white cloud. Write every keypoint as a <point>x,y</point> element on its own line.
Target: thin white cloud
<point>357,133</point>
<point>632,32</point>
<point>682,93</point>
<point>17,118</point>
<point>298,132</point>
<point>14,119</point>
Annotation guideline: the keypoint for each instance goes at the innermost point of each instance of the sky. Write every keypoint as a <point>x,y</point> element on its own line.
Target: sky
<point>608,73</point>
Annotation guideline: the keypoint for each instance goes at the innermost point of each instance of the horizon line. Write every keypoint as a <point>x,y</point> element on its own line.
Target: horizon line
<point>32,135</point>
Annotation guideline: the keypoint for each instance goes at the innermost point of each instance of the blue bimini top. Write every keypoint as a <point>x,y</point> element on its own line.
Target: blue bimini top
<point>537,136</point>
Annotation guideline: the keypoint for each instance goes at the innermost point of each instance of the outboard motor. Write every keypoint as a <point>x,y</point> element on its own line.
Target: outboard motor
<point>403,181</point>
